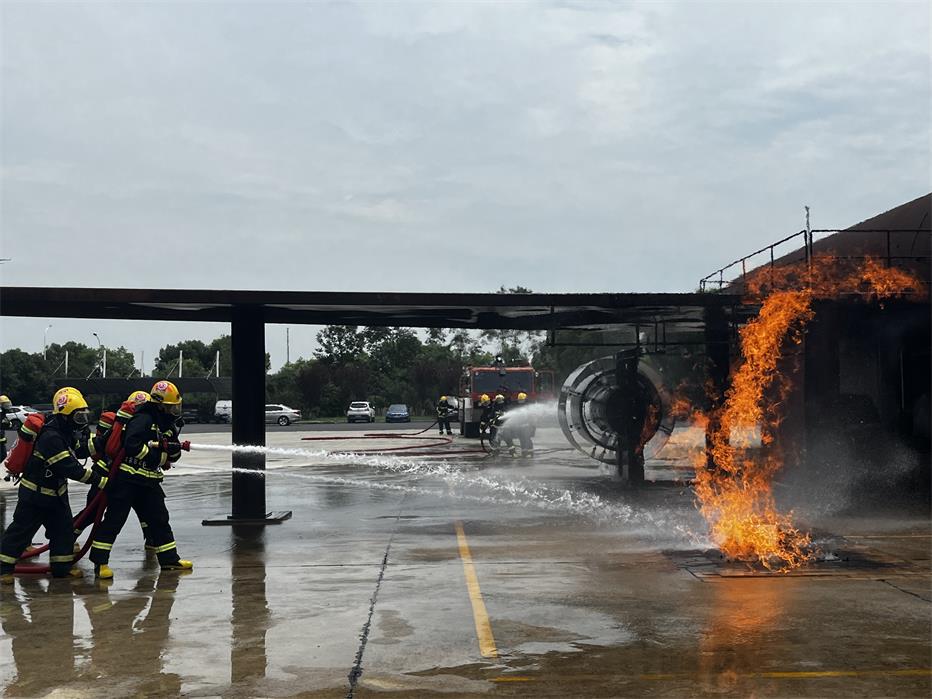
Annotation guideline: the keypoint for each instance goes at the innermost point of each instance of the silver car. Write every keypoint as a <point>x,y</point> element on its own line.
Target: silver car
<point>18,413</point>
<point>282,414</point>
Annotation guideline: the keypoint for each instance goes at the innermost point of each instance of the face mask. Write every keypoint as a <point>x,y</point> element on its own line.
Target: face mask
<point>81,418</point>
<point>174,409</point>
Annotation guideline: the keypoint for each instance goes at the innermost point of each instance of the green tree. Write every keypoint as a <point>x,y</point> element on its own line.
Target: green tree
<point>24,377</point>
<point>120,362</point>
<point>340,344</point>
<point>81,360</point>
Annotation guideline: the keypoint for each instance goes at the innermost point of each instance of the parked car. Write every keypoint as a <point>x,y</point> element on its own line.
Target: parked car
<point>360,411</point>
<point>282,414</point>
<point>18,415</point>
<point>397,413</point>
<point>223,411</point>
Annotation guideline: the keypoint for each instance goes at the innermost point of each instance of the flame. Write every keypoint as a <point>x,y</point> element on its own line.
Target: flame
<point>735,495</point>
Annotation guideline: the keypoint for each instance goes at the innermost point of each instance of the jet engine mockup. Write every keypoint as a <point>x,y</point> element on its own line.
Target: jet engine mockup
<point>592,407</point>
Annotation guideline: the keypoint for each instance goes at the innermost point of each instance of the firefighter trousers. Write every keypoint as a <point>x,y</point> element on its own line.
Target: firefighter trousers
<point>33,511</point>
<point>148,500</point>
<point>444,424</point>
<point>91,494</point>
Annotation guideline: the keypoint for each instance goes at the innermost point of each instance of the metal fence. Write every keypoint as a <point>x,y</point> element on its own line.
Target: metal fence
<point>879,244</point>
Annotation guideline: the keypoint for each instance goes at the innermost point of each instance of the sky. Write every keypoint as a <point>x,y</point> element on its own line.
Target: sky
<point>563,146</point>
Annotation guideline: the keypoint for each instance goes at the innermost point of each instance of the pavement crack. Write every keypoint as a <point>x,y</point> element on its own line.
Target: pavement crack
<point>356,672</point>
<point>896,587</point>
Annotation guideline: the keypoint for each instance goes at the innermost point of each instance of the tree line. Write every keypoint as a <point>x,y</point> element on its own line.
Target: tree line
<point>381,365</point>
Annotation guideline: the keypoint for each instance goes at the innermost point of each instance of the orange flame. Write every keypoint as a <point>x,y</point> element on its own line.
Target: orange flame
<point>735,496</point>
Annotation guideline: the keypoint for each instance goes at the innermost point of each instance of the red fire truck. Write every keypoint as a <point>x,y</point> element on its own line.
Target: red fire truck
<point>491,380</point>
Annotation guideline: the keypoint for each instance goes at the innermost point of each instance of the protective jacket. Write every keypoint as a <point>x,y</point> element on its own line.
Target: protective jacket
<point>492,416</point>
<point>150,445</point>
<point>55,459</point>
<point>445,410</point>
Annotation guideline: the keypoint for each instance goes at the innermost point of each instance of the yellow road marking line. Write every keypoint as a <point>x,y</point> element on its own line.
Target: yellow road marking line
<point>480,616</point>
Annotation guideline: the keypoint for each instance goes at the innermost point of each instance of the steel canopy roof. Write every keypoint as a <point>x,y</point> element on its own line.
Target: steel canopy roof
<point>534,311</point>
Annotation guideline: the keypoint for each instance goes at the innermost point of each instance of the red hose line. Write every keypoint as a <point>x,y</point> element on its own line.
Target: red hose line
<point>98,504</point>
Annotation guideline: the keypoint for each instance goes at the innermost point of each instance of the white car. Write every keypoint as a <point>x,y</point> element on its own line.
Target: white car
<point>360,411</point>
<point>18,415</point>
<point>223,411</point>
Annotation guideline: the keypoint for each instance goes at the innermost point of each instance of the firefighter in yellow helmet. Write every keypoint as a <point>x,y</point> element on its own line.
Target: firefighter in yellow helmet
<point>444,412</point>
<point>151,445</point>
<point>6,409</point>
<point>105,425</point>
<point>43,489</point>
<point>520,425</point>
<point>493,411</point>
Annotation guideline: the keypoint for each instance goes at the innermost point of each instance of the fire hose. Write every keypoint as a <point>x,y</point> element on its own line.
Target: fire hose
<point>97,506</point>
<point>436,442</point>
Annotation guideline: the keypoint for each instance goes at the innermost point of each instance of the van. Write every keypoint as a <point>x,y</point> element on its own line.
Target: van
<point>223,411</point>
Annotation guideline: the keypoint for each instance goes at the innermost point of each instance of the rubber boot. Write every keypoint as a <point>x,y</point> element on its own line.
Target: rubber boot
<point>180,565</point>
<point>103,571</point>
<point>75,573</point>
<point>6,579</point>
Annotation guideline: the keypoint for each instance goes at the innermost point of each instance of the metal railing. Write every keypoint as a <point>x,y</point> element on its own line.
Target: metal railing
<point>717,278</point>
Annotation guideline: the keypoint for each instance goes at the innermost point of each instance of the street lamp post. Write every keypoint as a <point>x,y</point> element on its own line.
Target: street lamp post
<point>45,342</point>
<point>103,360</point>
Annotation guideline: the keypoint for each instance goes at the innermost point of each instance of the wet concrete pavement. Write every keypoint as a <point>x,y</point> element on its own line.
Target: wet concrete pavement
<point>470,577</point>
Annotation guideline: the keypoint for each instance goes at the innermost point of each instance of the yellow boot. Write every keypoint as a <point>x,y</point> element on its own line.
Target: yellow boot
<point>75,573</point>
<point>103,571</point>
<point>180,565</point>
<point>6,579</point>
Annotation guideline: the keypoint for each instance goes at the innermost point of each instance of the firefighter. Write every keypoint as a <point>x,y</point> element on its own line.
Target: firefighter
<point>493,412</point>
<point>444,411</point>
<point>150,445</point>
<point>102,462</point>
<point>485,404</point>
<point>43,488</point>
<point>519,425</point>
<point>6,407</point>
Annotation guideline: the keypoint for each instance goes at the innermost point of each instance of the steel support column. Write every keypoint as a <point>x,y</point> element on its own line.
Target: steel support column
<point>248,349</point>
<point>717,367</point>
<point>630,453</point>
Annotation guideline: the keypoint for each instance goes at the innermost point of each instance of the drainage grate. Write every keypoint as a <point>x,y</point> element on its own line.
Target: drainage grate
<point>843,559</point>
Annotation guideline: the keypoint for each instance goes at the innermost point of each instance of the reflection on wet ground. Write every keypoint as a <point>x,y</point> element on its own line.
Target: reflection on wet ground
<point>588,591</point>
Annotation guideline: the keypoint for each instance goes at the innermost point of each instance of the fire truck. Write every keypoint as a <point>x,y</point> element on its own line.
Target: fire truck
<point>492,380</point>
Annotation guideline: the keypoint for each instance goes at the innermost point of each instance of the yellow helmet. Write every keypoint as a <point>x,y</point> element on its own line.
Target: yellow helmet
<point>484,399</point>
<point>165,393</point>
<point>443,399</point>
<point>60,391</point>
<point>522,397</point>
<point>138,397</point>
<point>499,398</point>
<point>5,400</point>
<point>71,403</point>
